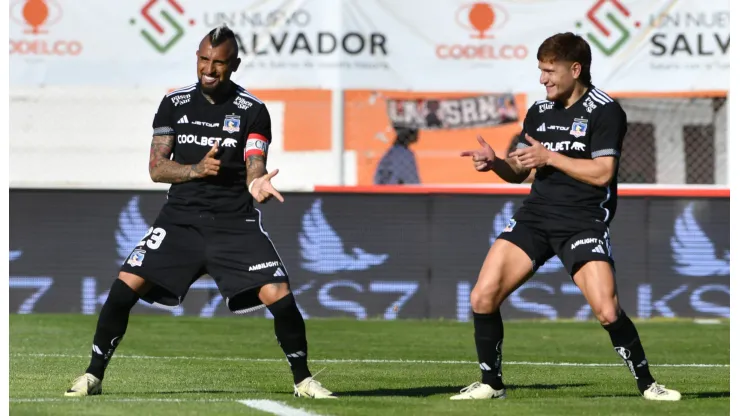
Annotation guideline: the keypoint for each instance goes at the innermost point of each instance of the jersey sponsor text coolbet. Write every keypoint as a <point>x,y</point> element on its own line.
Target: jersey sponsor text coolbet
<point>593,127</point>
<point>239,124</point>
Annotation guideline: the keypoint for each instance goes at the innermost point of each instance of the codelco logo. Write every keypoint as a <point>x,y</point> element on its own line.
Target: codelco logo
<point>36,16</point>
<point>480,19</point>
<point>612,26</point>
<point>163,33</point>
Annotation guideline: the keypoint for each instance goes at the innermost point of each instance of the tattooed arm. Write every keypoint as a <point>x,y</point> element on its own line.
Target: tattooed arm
<point>256,167</point>
<point>258,180</point>
<point>255,156</point>
<point>162,169</point>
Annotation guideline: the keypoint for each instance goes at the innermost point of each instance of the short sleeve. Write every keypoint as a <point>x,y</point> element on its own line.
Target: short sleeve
<point>610,127</point>
<point>522,142</point>
<point>162,124</point>
<point>259,135</point>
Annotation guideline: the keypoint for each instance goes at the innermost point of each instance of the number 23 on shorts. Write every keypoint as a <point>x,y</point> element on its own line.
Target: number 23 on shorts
<point>153,238</point>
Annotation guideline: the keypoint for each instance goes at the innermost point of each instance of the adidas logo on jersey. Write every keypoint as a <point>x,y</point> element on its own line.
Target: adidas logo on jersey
<point>279,272</point>
<point>542,127</point>
<point>596,96</point>
<point>183,120</point>
<point>598,249</point>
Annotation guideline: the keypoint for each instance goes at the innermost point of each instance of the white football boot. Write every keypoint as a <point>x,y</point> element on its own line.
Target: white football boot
<point>85,385</point>
<point>311,388</point>
<point>659,392</point>
<point>479,391</point>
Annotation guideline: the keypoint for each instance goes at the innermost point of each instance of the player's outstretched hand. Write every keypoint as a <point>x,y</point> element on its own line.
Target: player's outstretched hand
<point>483,157</point>
<point>262,189</point>
<point>532,157</point>
<point>208,166</point>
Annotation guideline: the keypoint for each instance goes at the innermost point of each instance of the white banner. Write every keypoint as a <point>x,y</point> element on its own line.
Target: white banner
<point>456,45</point>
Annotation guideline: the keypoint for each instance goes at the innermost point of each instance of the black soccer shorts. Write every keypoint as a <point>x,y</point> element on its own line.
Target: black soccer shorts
<point>236,253</point>
<point>575,243</point>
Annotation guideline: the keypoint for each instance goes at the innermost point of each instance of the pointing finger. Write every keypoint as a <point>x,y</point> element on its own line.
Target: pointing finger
<point>276,194</point>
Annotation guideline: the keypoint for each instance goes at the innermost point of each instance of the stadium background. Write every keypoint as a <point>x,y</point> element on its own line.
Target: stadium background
<point>87,76</point>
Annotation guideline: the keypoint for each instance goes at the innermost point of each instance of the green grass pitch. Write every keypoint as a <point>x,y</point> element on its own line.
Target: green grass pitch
<point>190,366</point>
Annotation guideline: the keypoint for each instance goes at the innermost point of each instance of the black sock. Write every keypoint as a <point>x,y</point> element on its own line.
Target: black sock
<point>489,339</point>
<point>290,331</point>
<point>627,344</point>
<point>112,324</point>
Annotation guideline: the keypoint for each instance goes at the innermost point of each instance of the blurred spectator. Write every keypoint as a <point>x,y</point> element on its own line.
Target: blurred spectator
<point>432,117</point>
<point>507,110</point>
<point>398,165</point>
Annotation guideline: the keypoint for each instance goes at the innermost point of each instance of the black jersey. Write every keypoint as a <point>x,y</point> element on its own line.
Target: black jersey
<point>240,124</point>
<point>593,127</point>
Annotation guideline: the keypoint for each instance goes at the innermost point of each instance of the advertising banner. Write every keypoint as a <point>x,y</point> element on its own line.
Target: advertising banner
<point>453,113</point>
<point>457,45</point>
<point>305,43</point>
<point>366,256</point>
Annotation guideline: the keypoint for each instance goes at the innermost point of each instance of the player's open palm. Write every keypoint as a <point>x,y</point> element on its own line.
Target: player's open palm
<point>208,166</point>
<point>262,189</point>
<point>482,157</point>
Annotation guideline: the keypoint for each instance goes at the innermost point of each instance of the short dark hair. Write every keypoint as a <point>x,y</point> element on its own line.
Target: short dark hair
<point>567,47</point>
<point>222,34</point>
<point>405,133</point>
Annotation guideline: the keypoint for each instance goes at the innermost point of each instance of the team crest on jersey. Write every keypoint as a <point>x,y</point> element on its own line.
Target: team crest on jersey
<point>136,258</point>
<point>231,123</point>
<point>578,129</point>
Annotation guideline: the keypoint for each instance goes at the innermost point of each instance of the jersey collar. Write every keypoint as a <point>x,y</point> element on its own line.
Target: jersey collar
<point>199,96</point>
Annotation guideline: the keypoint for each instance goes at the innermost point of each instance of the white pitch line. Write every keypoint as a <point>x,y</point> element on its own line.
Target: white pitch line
<point>707,321</point>
<point>369,361</point>
<point>276,408</point>
<point>72,400</point>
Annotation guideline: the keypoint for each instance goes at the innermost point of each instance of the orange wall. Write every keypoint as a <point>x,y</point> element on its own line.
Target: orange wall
<point>307,117</point>
<point>437,151</point>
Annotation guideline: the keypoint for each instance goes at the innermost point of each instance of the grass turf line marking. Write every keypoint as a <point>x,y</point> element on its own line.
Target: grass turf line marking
<point>95,400</point>
<point>707,321</point>
<point>369,361</point>
<point>276,408</point>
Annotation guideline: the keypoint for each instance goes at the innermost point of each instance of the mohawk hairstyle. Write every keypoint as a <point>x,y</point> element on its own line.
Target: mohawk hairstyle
<point>222,34</point>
